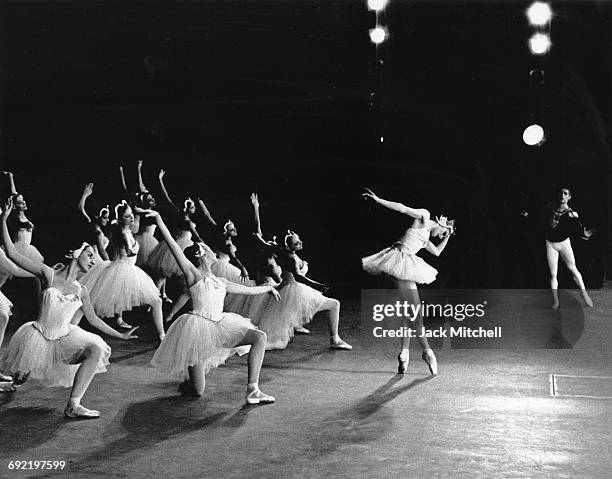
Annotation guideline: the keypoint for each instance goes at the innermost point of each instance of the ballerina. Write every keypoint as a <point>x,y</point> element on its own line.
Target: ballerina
<point>228,264</point>
<point>206,336</point>
<point>119,285</point>
<point>7,267</point>
<point>21,229</point>
<point>53,348</point>
<point>561,222</point>
<point>146,231</point>
<point>401,264</point>
<point>161,262</point>
<point>98,226</point>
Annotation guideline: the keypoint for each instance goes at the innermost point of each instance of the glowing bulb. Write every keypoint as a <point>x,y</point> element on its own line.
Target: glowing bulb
<point>533,135</point>
<point>539,14</point>
<point>378,35</point>
<point>539,43</point>
<point>377,5</point>
<point>382,139</point>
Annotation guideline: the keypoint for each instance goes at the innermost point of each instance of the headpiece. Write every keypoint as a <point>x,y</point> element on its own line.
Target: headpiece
<point>446,223</point>
<point>75,253</point>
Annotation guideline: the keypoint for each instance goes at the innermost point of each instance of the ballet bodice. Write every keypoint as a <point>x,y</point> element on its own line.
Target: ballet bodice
<point>122,254</point>
<point>149,229</point>
<point>207,297</point>
<point>415,239</point>
<point>561,225</point>
<point>56,311</point>
<point>23,236</point>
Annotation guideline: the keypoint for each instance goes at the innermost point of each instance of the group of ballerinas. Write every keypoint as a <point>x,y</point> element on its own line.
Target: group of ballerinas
<point>277,304</point>
<point>102,280</point>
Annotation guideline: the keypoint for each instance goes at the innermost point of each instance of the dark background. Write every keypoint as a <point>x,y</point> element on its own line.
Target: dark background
<point>238,96</point>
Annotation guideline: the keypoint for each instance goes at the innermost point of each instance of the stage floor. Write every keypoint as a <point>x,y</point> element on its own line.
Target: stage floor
<point>515,413</point>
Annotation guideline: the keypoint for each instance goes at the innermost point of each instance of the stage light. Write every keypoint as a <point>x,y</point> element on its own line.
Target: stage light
<point>539,43</point>
<point>378,35</point>
<point>382,139</point>
<point>377,5</point>
<point>539,14</point>
<point>533,135</point>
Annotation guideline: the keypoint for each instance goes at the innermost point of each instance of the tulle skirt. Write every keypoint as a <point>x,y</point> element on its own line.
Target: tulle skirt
<point>147,243</point>
<point>299,303</point>
<point>29,251</point>
<point>272,317</point>
<point>117,286</point>
<point>400,263</point>
<point>161,262</point>
<point>194,340</point>
<point>224,269</point>
<point>5,306</point>
<point>55,362</point>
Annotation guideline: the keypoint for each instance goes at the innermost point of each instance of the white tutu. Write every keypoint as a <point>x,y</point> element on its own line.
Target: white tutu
<point>299,303</point>
<point>55,361</point>
<point>117,286</point>
<point>224,269</point>
<point>401,263</point>
<point>29,251</point>
<point>161,261</point>
<point>272,317</point>
<point>194,340</point>
<point>5,306</point>
<point>147,243</point>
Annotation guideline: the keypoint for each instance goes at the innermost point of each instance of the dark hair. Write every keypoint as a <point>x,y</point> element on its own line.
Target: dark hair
<point>192,253</point>
<point>565,186</point>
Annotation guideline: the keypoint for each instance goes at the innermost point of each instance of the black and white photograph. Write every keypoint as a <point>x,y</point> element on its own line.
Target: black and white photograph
<point>306,239</point>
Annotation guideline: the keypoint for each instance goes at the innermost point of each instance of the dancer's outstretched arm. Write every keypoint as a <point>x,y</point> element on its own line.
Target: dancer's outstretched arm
<point>123,183</point>
<point>96,322</point>
<point>190,272</point>
<point>300,275</point>
<point>255,203</point>
<point>11,182</point>
<point>141,186</point>
<point>235,288</point>
<point>161,175</point>
<point>206,212</point>
<point>41,270</point>
<point>87,191</point>
<point>417,213</point>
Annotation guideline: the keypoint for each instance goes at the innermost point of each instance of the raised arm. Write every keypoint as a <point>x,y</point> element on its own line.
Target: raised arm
<point>141,187</point>
<point>206,212</point>
<point>123,184</point>
<point>41,270</point>
<point>161,175</point>
<point>87,191</point>
<point>191,273</point>
<point>11,182</point>
<point>417,213</point>
<point>437,250</point>
<point>255,203</point>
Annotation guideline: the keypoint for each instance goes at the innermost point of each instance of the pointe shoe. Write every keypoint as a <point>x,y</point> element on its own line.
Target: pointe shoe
<point>587,299</point>
<point>301,330</point>
<point>5,378</point>
<point>432,363</point>
<point>258,397</point>
<point>340,344</point>
<point>122,324</point>
<point>166,299</point>
<point>80,412</point>
<point>402,363</point>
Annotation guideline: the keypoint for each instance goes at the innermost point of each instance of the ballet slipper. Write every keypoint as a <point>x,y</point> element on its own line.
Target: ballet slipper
<point>80,412</point>
<point>256,396</point>
<point>402,363</point>
<point>340,344</point>
<point>430,358</point>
